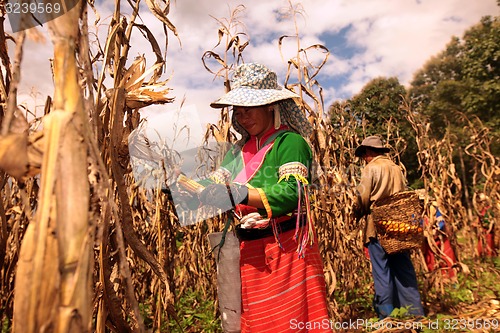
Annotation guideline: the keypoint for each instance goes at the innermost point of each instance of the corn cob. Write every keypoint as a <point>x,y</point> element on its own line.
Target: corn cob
<point>189,185</point>
<point>400,227</point>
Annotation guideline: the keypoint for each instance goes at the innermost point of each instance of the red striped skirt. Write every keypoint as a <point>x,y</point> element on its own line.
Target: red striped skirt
<point>281,292</point>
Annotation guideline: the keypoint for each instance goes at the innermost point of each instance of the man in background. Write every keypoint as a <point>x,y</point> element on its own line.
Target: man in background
<point>394,277</point>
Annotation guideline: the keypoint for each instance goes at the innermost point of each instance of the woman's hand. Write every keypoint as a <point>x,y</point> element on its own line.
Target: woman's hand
<point>218,195</point>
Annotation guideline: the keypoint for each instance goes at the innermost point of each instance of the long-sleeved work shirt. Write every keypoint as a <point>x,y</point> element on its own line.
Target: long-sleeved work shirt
<point>380,178</point>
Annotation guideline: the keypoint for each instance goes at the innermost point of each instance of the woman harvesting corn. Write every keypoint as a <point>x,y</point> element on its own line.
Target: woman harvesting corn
<point>267,173</point>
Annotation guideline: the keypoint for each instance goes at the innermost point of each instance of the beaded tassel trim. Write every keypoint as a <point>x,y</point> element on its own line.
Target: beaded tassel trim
<point>303,236</point>
<point>296,169</point>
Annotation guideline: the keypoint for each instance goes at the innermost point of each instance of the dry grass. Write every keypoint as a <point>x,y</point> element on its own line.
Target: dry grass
<point>133,249</point>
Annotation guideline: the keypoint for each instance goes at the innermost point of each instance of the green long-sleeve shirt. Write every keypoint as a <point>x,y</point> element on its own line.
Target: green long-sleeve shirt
<point>288,160</point>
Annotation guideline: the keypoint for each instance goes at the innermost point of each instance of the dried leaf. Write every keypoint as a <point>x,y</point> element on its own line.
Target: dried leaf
<point>14,155</point>
<point>134,76</point>
<point>161,14</point>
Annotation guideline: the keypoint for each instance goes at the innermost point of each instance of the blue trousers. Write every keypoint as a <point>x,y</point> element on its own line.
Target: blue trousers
<point>395,281</point>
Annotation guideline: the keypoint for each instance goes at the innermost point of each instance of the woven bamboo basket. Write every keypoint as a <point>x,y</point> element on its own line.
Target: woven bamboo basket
<point>399,223</point>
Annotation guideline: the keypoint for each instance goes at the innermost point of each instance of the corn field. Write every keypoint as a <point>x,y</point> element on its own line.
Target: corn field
<point>85,249</point>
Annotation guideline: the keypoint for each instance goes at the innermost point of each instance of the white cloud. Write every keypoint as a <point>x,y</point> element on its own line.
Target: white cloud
<point>398,37</point>
<point>392,38</point>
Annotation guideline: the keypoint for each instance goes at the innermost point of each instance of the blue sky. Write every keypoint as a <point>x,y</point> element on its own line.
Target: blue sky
<point>366,38</point>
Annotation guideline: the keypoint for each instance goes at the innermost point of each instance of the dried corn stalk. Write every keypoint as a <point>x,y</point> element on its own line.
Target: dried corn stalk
<point>55,266</point>
<point>442,182</point>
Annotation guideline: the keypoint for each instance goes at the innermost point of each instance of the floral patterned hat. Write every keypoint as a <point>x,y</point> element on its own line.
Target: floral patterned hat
<point>255,85</point>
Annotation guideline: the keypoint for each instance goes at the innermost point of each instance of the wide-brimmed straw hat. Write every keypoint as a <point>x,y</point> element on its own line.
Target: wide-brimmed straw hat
<point>374,142</point>
<point>254,84</point>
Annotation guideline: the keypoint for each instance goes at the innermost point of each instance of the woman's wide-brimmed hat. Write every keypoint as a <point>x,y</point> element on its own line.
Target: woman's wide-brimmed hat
<point>373,142</point>
<point>254,84</point>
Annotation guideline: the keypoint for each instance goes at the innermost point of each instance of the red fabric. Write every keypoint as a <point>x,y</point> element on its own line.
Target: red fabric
<point>243,210</point>
<point>448,259</point>
<point>489,250</point>
<point>448,255</point>
<point>367,253</point>
<point>280,292</point>
<point>253,145</point>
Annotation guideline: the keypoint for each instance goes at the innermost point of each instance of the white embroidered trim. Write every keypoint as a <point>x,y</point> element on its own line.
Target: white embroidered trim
<point>293,168</point>
<point>221,176</point>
